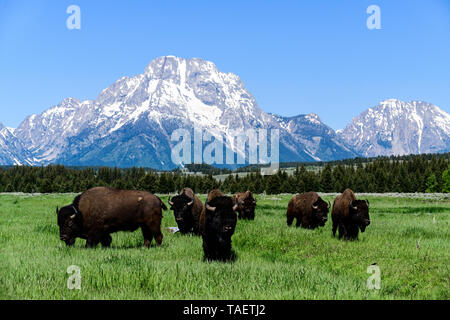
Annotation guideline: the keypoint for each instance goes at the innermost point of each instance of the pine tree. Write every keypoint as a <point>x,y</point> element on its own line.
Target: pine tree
<point>149,182</point>
<point>46,186</point>
<point>432,184</point>
<point>326,179</point>
<point>273,184</point>
<point>446,180</point>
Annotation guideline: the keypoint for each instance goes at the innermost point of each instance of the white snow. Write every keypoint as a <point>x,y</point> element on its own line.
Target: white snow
<point>419,122</point>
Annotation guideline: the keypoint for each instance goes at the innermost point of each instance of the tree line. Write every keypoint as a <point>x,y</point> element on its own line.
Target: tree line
<point>420,173</point>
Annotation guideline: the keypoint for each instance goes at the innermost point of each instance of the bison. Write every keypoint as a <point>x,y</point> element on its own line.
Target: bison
<point>217,224</point>
<point>187,209</point>
<point>309,209</point>
<point>100,211</point>
<point>349,215</point>
<point>246,205</point>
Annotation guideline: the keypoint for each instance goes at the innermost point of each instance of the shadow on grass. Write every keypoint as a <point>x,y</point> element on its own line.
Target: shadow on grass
<point>233,258</point>
<point>113,246</point>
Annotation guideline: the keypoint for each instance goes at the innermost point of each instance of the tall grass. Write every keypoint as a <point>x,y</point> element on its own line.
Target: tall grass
<point>273,261</point>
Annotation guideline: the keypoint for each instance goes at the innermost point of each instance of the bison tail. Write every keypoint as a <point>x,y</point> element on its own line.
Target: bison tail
<point>163,205</point>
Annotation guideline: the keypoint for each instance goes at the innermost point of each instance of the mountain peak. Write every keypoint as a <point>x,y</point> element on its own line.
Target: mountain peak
<point>130,123</point>
<point>395,127</point>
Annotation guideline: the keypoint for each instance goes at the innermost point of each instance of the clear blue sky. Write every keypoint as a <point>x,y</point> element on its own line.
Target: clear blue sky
<point>294,56</point>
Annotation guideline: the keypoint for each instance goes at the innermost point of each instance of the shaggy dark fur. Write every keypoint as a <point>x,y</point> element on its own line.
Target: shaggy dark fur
<point>218,226</point>
<point>246,205</point>
<point>100,211</point>
<point>309,209</point>
<point>187,209</point>
<point>349,215</point>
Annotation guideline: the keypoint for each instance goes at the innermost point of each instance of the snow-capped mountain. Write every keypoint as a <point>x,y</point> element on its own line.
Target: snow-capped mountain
<point>395,127</point>
<point>318,140</point>
<point>12,150</point>
<point>130,122</point>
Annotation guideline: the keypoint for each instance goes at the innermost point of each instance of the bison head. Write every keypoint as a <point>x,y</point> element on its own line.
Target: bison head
<point>69,222</point>
<point>182,210</point>
<point>359,212</point>
<point>221,216</point>
<point>246,206</point>
<point>320,211</point>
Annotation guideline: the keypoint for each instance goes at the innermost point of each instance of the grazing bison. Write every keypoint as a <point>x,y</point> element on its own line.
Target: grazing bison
<point>349,215</point>
<point>246,205</point>
<point>217,224</point>
<point>100,211</point>
<point>187,209</point>
<point>309,209</point>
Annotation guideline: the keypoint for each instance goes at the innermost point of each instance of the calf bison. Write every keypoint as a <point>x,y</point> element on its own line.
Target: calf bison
<point>309,209</point>
<point>100,211</point>
<point>217,224</point>
<point>349,215</point>
<point>246,205</point>
<point>187,209</point>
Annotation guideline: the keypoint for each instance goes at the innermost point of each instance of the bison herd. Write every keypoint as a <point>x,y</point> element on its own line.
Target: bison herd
<point>100,211</point>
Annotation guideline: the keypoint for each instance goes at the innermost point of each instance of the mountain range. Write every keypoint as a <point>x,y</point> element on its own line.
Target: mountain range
<point>130,123</point>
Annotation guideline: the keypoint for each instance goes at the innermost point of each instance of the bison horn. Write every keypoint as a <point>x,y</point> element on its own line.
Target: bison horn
<point>354,207</point>
<point>207,206</point>
<point>329,204</point>
<point>72,216</point>
<point>235,207</point>
<point>190,203</point>
<point>170,202</point>
<point>314,207</point>
<point>367,202</point>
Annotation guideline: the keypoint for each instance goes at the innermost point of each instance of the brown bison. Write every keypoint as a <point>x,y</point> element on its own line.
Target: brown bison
<point>100,211</point>
<point>246,205</point>
<point>309,209</point>
<point>217,224</point>
<point>187,209</point>
<point>349,215</point>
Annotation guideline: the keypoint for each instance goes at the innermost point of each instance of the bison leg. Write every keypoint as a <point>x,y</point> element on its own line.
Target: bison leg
<point>148,236</point>
<point>352,232</point>
<point>305,223</point>
<point>196,230</point>
<point>158,238</point>
<point>106,241</point>
<point>209,248</point>
<point>342,231</point>
<point>224,250</point>
<point>206,252</point>
<point>334,228</point>
<point>92,241</point>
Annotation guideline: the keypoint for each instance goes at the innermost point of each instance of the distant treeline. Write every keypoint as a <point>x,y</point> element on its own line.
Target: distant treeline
<point>347,162</point>
<point>419,173</point>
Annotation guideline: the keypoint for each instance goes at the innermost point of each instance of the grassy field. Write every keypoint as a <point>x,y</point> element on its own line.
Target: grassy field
<point>273,260</point>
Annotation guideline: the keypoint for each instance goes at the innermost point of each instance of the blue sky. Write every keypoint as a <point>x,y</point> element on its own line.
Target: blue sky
<point>295,57</point>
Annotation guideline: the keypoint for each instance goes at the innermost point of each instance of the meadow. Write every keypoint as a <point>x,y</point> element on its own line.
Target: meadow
<point>408,238</point>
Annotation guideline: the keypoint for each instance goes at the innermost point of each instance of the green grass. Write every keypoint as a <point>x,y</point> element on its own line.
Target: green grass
<point>273,260</point>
